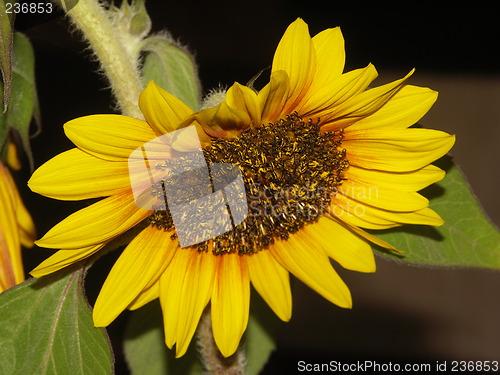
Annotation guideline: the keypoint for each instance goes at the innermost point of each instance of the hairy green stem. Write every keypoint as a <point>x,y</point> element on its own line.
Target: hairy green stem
<point>213,361</point>
<point>112,48</point>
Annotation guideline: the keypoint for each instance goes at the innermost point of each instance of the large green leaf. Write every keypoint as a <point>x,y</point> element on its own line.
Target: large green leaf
<point>172,68</point>
<point>467,239</point>
<point>46,328</point>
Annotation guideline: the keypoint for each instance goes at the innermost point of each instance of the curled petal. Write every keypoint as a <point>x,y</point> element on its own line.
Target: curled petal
<point>245,99</point>
<point>224,121</point>
<point>272,97</point>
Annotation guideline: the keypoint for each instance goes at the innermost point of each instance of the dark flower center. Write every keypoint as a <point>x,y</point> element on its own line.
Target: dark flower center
<point>289,170</point>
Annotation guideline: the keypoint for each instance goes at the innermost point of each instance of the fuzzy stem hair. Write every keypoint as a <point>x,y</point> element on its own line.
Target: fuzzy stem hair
<point>118,61</point>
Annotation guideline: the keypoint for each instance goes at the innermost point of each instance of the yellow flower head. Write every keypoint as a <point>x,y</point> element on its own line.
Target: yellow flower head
<point>315,156</point>
<point>16,229</point>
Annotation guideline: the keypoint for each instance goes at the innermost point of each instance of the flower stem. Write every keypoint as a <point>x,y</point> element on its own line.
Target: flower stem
<point>213,361</point>
<point>118,61</point>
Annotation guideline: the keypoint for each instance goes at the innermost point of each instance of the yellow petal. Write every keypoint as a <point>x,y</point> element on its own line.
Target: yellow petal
<point>401,181</point>
<point>273,96</point>
<point>330,60</point>
<point>366,103</point>
<point>76,175</point>
<point>224,121</point>
<point>26,226</point>
<point>146,296</point>
<point>244,99</point>
<point>64,258</point>
<point>27,232</point>
<point>138,266</point>
<point>12,159</point>
<point>110,137</point>
<point>295,55</point>
<point>349,250</point>
<point>404,109</point>
<point>323,101</point>
<point>330,56</point>
<point>312,267</point>
<point>11,266</point>
<point>369,237</point>
<point>185,289</point>
<point>384,198</point>
<point>396,151</point>
<point>353,214</point>
<point>95,224</point>
<point>272,282</point>
<point>230,303</point>
<point>383,217</point>
<point>163,111</point>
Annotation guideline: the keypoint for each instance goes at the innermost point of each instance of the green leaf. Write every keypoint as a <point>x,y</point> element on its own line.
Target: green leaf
<point>172,68</point>
<point>6,40</point>
<point>145,349</point>
<point>23,104</point>
<point>467,238</point>
<point>260,336</point>
<point>46,328</point>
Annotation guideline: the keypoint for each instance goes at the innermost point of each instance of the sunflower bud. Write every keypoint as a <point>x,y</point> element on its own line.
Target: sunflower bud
<point>172,68</point>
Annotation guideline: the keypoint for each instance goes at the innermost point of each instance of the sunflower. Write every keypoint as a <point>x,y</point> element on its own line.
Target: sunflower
<point>319,158</point>
<point>16,229</point>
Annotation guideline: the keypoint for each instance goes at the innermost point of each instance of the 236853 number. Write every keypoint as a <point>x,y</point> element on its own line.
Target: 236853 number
<point>32,8</point>
<point>474,366</point>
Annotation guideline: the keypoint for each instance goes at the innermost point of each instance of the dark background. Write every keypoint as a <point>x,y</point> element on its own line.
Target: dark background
<point>400,313</point>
